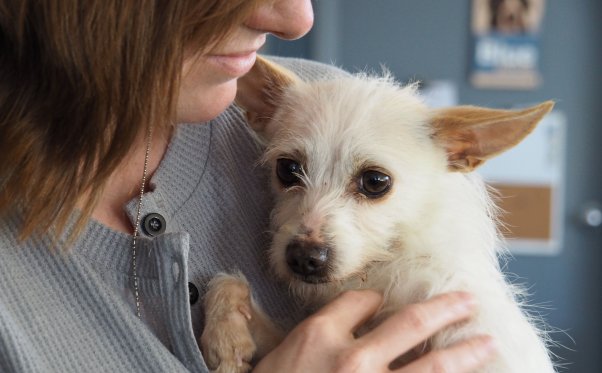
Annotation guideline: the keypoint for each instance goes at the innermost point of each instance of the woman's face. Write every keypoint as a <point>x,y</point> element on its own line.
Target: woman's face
<point>209,81</point>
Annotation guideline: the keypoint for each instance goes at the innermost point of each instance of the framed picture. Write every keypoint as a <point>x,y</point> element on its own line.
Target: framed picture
<point>529,180</point>
<point>506,36</point>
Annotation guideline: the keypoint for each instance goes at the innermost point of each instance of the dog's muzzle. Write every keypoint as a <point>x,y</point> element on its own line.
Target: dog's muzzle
<point>308,260</point>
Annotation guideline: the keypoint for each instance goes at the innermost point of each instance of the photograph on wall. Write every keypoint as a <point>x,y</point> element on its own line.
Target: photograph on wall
<point>506,36</point>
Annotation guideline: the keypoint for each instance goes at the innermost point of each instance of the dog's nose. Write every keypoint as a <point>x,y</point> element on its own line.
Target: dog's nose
<point>307,259</point>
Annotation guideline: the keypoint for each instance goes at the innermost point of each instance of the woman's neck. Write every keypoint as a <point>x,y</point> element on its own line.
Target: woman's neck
<point>125,182</point>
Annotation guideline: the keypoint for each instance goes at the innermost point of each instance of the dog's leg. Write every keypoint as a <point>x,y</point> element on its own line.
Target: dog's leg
<point>236,330</point>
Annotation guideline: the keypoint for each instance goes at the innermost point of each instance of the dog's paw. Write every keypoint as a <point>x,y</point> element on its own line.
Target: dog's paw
<point>226,342</point>
<point>227,349</point>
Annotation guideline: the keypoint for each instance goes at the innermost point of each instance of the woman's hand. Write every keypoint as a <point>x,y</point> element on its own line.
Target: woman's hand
<point>325,341</point>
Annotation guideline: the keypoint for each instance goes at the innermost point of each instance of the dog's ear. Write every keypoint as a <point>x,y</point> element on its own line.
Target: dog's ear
<point>471,135</point>
<point>260,91</point>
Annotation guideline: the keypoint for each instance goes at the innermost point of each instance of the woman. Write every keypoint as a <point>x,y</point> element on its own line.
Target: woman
<point>90,94</point>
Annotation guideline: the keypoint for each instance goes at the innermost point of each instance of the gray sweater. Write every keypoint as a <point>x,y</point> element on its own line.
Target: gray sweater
<point>74,312</point>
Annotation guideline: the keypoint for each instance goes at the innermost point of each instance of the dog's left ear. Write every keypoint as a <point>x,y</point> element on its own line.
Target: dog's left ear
<point>471,135</point>
<point>260,92</point>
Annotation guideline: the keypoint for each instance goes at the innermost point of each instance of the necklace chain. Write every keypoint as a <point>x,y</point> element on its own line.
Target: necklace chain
<point>137,226</point>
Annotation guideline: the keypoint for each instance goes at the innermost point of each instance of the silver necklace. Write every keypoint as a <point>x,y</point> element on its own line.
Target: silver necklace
<point>137,226</point>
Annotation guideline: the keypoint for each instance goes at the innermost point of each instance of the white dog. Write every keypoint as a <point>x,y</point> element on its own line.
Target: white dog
<point>372,191</point>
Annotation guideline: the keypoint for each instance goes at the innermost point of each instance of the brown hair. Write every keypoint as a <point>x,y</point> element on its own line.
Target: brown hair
<point>79,81</point>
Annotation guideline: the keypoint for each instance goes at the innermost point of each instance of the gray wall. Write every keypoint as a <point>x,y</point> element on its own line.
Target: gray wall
<point>430,39</point>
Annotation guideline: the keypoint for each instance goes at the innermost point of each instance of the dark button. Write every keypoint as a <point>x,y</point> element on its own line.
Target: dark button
<point>153,224</point>
<point>193,293</point>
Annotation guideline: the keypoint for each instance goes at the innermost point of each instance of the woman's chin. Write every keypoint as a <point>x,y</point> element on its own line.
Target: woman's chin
<point>207,103</point>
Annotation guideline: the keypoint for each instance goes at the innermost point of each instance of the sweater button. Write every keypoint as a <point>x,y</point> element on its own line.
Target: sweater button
<point>153,224</point>
<point>193,293</point>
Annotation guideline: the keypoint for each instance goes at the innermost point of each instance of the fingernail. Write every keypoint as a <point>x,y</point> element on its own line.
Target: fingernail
<point>467,302</point>
<point>487,346</point>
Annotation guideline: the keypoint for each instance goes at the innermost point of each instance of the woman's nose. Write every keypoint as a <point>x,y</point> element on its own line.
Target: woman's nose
<point>287,19</point>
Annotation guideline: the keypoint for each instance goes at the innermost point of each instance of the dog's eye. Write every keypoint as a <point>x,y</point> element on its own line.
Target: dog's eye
<point>288,171</point>
<point>374,184</point>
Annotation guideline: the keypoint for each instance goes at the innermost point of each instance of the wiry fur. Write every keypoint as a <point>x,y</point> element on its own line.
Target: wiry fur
<point>434,232</point>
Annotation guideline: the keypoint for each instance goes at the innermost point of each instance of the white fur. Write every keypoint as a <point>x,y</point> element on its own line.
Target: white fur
<point>434,232</point>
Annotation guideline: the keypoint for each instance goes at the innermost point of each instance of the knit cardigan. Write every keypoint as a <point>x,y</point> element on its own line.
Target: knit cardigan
<point>75,312</point>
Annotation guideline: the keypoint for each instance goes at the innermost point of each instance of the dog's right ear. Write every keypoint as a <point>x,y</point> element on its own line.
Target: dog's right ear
<point>260,92</point>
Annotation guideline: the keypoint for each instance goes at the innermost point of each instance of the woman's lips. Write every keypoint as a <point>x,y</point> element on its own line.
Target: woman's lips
<point>236,64</point>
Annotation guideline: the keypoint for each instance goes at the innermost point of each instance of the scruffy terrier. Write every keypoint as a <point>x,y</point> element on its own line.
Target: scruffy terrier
<point>373,191</point>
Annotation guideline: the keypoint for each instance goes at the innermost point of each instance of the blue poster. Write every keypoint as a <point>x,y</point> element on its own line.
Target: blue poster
<point>506,49</point>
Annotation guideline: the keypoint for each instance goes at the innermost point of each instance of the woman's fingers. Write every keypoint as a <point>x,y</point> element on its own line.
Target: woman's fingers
<point>462,357</point>
<point>351,309</point>
<point>320,343</point>
<point>415,323</point>
<point>325,343</point>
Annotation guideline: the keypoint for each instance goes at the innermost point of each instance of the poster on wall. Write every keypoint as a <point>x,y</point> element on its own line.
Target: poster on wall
<point>506,36</point>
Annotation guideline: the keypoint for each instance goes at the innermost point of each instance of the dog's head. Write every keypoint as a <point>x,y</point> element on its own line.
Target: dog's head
<point>354,160</point>
<point>509,16</point>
